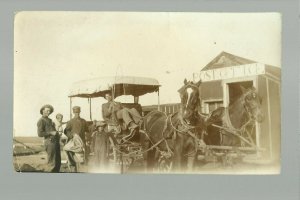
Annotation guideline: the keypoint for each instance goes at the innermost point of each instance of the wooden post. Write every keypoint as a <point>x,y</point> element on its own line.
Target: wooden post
<point>90,100</point>
<point>70,108</point>
<point>158,101</point>
<point>136,99</point>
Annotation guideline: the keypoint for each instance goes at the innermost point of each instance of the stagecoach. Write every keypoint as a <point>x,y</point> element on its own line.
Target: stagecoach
<point>125,147</point>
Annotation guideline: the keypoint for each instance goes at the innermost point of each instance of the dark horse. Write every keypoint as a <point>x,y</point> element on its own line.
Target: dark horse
<point>173,138</point>
<point>238,116</point>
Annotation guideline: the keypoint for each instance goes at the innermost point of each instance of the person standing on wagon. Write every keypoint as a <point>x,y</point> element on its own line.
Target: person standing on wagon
<point>112,111</point>
<point>100,137</point>
<point>77,125</point>
<point>46,129</point>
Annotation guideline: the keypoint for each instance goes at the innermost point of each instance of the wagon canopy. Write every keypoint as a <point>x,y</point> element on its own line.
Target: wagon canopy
<point>122,85</point>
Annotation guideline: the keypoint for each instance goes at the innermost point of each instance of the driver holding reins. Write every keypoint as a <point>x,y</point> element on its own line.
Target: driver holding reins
<point>113,111</point>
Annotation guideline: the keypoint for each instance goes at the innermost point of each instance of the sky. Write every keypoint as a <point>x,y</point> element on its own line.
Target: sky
<point>52,50</point>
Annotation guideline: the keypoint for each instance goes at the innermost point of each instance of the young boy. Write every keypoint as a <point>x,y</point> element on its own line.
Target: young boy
<point>100,137</point>
<point>59,128</point>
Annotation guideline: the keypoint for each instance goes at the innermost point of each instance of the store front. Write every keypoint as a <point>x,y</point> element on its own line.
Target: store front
<point>222,80</point>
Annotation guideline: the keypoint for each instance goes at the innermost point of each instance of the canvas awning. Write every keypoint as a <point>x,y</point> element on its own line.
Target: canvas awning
<point>123,85</point>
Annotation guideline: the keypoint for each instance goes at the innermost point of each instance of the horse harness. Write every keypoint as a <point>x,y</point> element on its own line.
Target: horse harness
<point>229,128</point>
<point>187,130</point>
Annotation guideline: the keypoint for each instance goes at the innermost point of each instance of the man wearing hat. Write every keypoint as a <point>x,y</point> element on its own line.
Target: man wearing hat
<point>46,129</point>
<point>100,138</point>
<point>113,111</point>
<point>77,125</point>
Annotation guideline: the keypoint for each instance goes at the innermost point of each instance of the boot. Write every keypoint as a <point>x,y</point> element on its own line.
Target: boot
<point>132,126</point>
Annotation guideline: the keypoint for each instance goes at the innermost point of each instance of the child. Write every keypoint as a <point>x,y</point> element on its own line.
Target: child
<point>59,128</point>
<point>100,138</point>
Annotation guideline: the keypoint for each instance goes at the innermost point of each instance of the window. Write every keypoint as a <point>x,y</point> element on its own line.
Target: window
<point>211,105</point>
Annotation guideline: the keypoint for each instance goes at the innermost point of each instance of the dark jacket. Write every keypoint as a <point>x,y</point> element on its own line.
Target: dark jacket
<point>76,125</point>
<point>44,127</point>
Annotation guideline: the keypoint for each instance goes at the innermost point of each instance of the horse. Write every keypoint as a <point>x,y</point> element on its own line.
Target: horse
<point>173,138</point>
<point>225,125</point>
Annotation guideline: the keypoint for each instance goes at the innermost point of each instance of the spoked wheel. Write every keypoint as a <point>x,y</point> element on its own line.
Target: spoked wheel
<point>128,155</point>
<point>125,162</point>
<point>112,151</point>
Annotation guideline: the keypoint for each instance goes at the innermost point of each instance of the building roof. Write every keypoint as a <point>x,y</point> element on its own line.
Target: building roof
<point>225,59</point>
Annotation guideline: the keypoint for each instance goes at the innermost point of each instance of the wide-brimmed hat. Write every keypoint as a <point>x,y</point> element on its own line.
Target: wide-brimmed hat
<point>76,109</point>
<point>47,106</point>
<point>100,123</point>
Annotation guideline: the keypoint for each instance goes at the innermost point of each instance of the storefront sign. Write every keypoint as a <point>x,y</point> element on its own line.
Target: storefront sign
<point>230,72</point>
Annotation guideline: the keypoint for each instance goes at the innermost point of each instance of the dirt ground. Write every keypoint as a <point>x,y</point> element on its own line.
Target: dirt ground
<point>33,158</point>
<point>37,163</point>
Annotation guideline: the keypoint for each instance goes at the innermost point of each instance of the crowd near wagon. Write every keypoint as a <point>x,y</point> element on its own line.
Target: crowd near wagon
<point>222,82</point>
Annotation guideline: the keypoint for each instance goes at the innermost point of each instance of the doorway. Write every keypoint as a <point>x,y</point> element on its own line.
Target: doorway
<point>235,91</point>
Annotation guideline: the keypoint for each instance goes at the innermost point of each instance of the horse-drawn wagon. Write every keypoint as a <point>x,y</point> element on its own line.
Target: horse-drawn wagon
<point>162,141</point>
<point>125,147</point>
<point>175,137</point>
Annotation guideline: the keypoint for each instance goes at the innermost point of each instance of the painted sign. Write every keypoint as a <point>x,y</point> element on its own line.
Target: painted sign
<point>230,72</point>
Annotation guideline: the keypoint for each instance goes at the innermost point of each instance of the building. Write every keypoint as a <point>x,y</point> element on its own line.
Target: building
<point>221,81</point>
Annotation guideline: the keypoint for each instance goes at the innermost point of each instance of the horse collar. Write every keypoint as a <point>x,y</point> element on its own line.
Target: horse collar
<point>227,119</point>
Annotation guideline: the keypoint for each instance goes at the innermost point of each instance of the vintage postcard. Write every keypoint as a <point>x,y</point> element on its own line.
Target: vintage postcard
<point>147,92</point>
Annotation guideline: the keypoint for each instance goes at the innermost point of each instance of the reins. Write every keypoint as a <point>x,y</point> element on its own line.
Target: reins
<point>235,131</point>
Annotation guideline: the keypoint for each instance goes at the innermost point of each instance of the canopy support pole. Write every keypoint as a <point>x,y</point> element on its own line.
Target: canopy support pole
<point>90,100</point>
<point>70,108</point>
<point>158,101</point>
<point>136,99</point>
<point>113,92</point>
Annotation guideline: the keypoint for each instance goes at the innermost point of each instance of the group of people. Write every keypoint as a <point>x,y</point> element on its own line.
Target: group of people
<point>77,137</point>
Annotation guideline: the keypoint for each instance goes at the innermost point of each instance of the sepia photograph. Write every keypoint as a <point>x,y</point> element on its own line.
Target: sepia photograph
<point>147,92</point>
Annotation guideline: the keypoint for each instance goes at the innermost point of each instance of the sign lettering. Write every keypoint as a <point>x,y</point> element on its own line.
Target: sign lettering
<point>230,72</point>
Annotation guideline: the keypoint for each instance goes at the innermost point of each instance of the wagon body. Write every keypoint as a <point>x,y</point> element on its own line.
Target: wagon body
<point>127,153</point>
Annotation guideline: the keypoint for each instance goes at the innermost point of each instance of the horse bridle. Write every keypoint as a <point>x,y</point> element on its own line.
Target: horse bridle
<point>246,106</point>
<point>189,85</point>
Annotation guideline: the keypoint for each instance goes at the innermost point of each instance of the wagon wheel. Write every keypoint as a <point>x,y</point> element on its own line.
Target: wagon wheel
<point>125,163</point>
<point>112,152</point>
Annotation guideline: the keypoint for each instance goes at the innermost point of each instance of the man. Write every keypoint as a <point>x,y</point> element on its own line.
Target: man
<point>46,129</point>
<point>78,126</point>
<point>113,111</point>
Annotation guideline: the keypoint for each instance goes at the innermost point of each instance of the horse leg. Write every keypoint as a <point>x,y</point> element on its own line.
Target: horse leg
<point>150,158</point>
<point>190,163</point>
<point>177,160</point>
<point>191,155</point>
